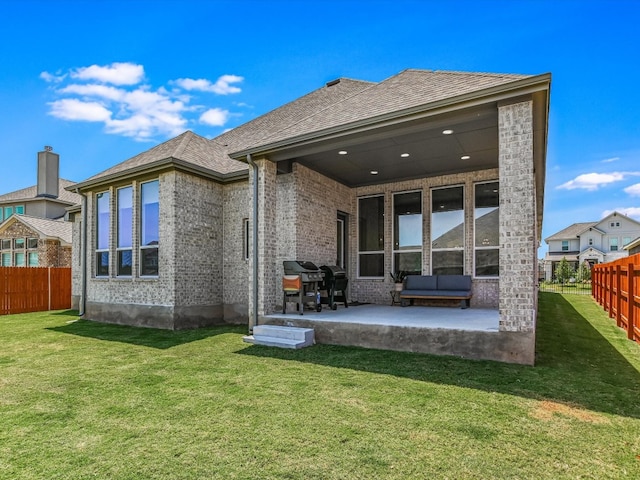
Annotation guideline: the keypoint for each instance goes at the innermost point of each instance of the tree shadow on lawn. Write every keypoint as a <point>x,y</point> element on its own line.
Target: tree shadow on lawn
<point>147,337</point>
<point>575,364</point>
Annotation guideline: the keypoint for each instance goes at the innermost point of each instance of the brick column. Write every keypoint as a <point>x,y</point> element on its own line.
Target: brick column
<point>518,285</point>
<point>267,244</point>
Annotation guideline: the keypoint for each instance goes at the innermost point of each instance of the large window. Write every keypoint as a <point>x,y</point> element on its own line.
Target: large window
<point>149,228</point>
<point>486,216</point>
<point>407,232</point>
<point>447,231</point>
<point>613,244</point>
<point>371,236</point>
<point>102,234</point>
<point>125,232</point>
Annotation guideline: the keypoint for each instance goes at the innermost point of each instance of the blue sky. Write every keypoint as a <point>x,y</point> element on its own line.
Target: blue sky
<point>104,81</point>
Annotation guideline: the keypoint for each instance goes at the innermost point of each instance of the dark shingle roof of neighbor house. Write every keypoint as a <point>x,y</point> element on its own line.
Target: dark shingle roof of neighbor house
<point>571,231</point>
<point>341,102</point>
<point>30,193</point>
<point>46,227</point>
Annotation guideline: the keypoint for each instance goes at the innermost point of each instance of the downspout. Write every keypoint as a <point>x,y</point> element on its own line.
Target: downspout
<point>83,255</point>
<point>253,321</point>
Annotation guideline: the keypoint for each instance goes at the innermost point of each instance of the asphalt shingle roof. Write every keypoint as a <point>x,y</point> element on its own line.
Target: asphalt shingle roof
<point>571,231</point>
<point>30,193</point>
<point>48,227</point>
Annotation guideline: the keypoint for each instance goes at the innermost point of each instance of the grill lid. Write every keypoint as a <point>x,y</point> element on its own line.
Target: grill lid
<point>333,271</point>
<point>292,267</point>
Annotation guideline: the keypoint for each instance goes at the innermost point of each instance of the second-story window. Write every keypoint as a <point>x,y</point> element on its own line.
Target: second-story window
<point>565,245</point>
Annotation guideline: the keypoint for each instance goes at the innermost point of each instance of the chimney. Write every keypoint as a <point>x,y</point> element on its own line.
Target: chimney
<point>48,170</point>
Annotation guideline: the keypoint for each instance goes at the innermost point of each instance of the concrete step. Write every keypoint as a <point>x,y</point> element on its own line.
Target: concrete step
<point>280,336</point>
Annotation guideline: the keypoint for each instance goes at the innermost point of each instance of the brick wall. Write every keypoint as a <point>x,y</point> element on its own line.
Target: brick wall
<point>50,251</point>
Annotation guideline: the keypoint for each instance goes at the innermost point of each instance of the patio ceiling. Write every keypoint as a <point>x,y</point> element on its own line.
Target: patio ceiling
<point>384,150</point>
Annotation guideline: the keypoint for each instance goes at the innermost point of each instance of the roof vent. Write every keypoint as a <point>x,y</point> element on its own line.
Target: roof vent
<point>333,82</point>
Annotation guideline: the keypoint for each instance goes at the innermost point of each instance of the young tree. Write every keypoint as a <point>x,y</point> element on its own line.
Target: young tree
<point>584,272</point>
<point>564,271</point>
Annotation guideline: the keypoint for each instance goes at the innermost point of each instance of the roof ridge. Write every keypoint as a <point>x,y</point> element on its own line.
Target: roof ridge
<point>182,146</point>
<point>331,105</point>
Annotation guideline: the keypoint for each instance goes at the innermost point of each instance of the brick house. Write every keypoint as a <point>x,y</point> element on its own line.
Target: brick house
<point>592,242</point>
<point>33,227</point>
<point>193,232</point>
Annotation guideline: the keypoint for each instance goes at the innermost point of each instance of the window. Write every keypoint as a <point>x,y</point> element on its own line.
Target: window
<point>33,259</point>
<point>447,231</point>
<point>626,241</point>
<point>590,241</point>
<point>8,211</point>
<point>125,232</point>
<point>407,232</point>
<point>18,259</point>
<point>565,245</point>
<point>32,243</point>
<point>6,244</point>
<point>149,228</point>
<point>6,259</point>
<point>20,209</point>
<point>18,243</point>
<point>246,235</point>
<point>371,236</point>
<point>613,244</point>
<point>486,217</point>
<point>102,234</point>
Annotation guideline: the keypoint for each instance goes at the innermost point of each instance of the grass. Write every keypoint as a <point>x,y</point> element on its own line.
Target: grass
<point>82,400</point>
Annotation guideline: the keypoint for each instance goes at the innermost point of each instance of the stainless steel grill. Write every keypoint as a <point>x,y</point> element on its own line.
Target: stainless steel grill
<point>311,277</point>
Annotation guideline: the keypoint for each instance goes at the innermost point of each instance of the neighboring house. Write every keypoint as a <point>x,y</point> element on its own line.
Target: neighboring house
<point>425,171</point>
<point>633,247</point>
<point>592,242</point>
<point>33,230</point>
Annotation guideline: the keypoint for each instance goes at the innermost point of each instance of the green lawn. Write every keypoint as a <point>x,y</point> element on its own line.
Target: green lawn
<point>83,400</point>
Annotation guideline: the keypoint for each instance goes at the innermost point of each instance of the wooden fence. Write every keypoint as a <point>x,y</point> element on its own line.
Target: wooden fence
<point>34,289</point>
<point>616,286</point>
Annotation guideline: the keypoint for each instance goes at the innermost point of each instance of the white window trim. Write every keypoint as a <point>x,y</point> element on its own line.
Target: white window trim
<point>376,252</point>
<point>393,239</point>
<point>464,226</point>
<point>475,247</point>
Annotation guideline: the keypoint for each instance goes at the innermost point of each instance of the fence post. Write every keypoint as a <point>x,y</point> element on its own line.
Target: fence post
<point>631,302</point>
<point>618,294</point>
<point>49,288</point>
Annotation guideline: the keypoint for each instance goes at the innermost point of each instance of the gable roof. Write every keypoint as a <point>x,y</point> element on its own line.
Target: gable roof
<point>31,193</point>
<point>44,226</point>
<point>571,232</point>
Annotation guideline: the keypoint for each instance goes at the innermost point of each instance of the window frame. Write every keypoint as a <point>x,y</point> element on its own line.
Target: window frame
<point>100,252</point>
<point>477,248</point>
<point>396,251</point>
<point>613,244</point>
<point>371,252</point>
<point>464,227</point>
<point>564,245</point>
<point>142,249</point>
<point>120,249</point>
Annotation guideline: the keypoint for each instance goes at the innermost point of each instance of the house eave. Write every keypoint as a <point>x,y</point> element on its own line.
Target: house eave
<point>157,167</point>
<point>529,85</point>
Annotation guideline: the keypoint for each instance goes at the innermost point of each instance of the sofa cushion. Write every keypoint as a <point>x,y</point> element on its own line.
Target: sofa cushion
<point>420,293</point>
<point>420,282</point>
<point>454,282</point>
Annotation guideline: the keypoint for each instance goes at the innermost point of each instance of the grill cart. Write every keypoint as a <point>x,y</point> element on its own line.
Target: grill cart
<point>311,277</point>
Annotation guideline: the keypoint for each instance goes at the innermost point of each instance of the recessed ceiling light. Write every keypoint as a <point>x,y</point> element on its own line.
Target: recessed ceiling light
<point>374,172</point>
<point>447,132</point>
<point>465,157</point>
<point>404,155</point>
<point>342,152</point>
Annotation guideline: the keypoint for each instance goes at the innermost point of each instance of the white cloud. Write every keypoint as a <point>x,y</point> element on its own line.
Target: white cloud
<point>113,95</point>
<point>216,117</point>
<point>51,78</point>
<point>610,160</point>
<point>116,73</point>
<point>633,190</point>
<point>592,181</point>
<point>77,110</point>
<point>221,86</point>
<point>633,212</point>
